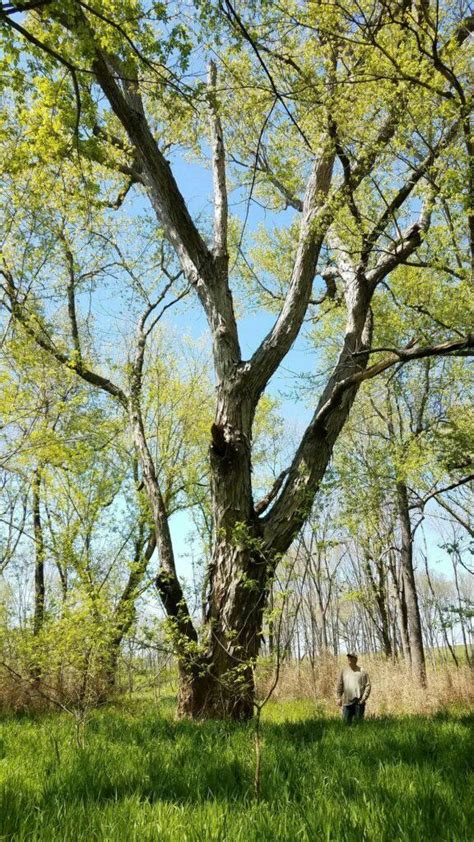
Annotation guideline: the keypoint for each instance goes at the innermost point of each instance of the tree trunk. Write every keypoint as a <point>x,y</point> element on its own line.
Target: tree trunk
<point>411,596</point>
<point>220,682</point>
<point>206,694</point>
<point>381,596</point>
<point>379,591</point>
<point>402,620</point>
<point>385,630</point>
<point>38,618</point>
<point>439,613</point>
<point>404,632</point>
<point>461,610</point>
<point>271,627</point>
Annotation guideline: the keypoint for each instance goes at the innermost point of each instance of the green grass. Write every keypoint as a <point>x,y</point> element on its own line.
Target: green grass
<point>143,776</point>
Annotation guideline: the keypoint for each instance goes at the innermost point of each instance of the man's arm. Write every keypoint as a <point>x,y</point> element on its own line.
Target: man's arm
<point>367,689</point>
<point>340,689</point>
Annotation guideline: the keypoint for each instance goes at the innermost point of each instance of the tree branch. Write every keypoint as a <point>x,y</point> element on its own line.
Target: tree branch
<point>39,335</point>
<point>291,200</point>
<point>218,170</point>
<point>71,302</point>
<point>309,464</point>
<point>422,501</point>
<point>464,523</point>
<point>196,260</point>
<point>265,501</point>
<point>53,54</point>
<point>310,461</point>
<point>236,22</point>
<point>276,345</point>
<point>167,581</point>
<point>403,248</point>
<point>405,191</point>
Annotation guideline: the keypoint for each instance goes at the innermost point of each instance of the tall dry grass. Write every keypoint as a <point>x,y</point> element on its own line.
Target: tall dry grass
<point>394,689</point>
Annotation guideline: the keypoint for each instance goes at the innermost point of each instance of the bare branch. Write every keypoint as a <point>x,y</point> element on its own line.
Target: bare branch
<point>265,501</point>
<point>218,169</point>
<point>276,345</point>
<point>35,330</point>
<point>166,197</point>
<point>422,501</point>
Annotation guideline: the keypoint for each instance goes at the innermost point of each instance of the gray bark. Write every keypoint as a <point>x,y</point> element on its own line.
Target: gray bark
<point>413,612</point>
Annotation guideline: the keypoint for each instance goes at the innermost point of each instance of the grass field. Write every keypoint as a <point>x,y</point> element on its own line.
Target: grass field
<point>140,775</point>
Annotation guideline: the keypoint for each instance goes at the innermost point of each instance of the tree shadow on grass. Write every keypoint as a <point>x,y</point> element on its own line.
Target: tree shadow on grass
<point>188,762</point>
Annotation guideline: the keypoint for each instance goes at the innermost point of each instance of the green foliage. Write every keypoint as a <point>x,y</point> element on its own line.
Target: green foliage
<point>142,776</point>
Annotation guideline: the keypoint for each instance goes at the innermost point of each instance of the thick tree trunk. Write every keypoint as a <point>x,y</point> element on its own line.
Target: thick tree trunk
<point>219,681</point>
<point>217,690</point>
<point>411,596</point>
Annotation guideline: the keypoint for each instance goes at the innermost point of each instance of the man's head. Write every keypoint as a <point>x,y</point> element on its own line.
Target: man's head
<point>352,659</point>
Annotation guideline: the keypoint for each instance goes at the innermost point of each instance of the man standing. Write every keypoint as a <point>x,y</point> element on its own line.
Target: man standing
<point>353,690</point>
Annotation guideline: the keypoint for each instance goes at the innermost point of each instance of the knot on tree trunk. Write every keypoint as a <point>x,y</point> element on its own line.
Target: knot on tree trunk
<point>221,447</point>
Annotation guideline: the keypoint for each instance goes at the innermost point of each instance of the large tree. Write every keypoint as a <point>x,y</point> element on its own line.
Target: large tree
<point>354,116</point>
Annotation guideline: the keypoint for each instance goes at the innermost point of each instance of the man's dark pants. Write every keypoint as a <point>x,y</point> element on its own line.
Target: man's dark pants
<point>353,712</point>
